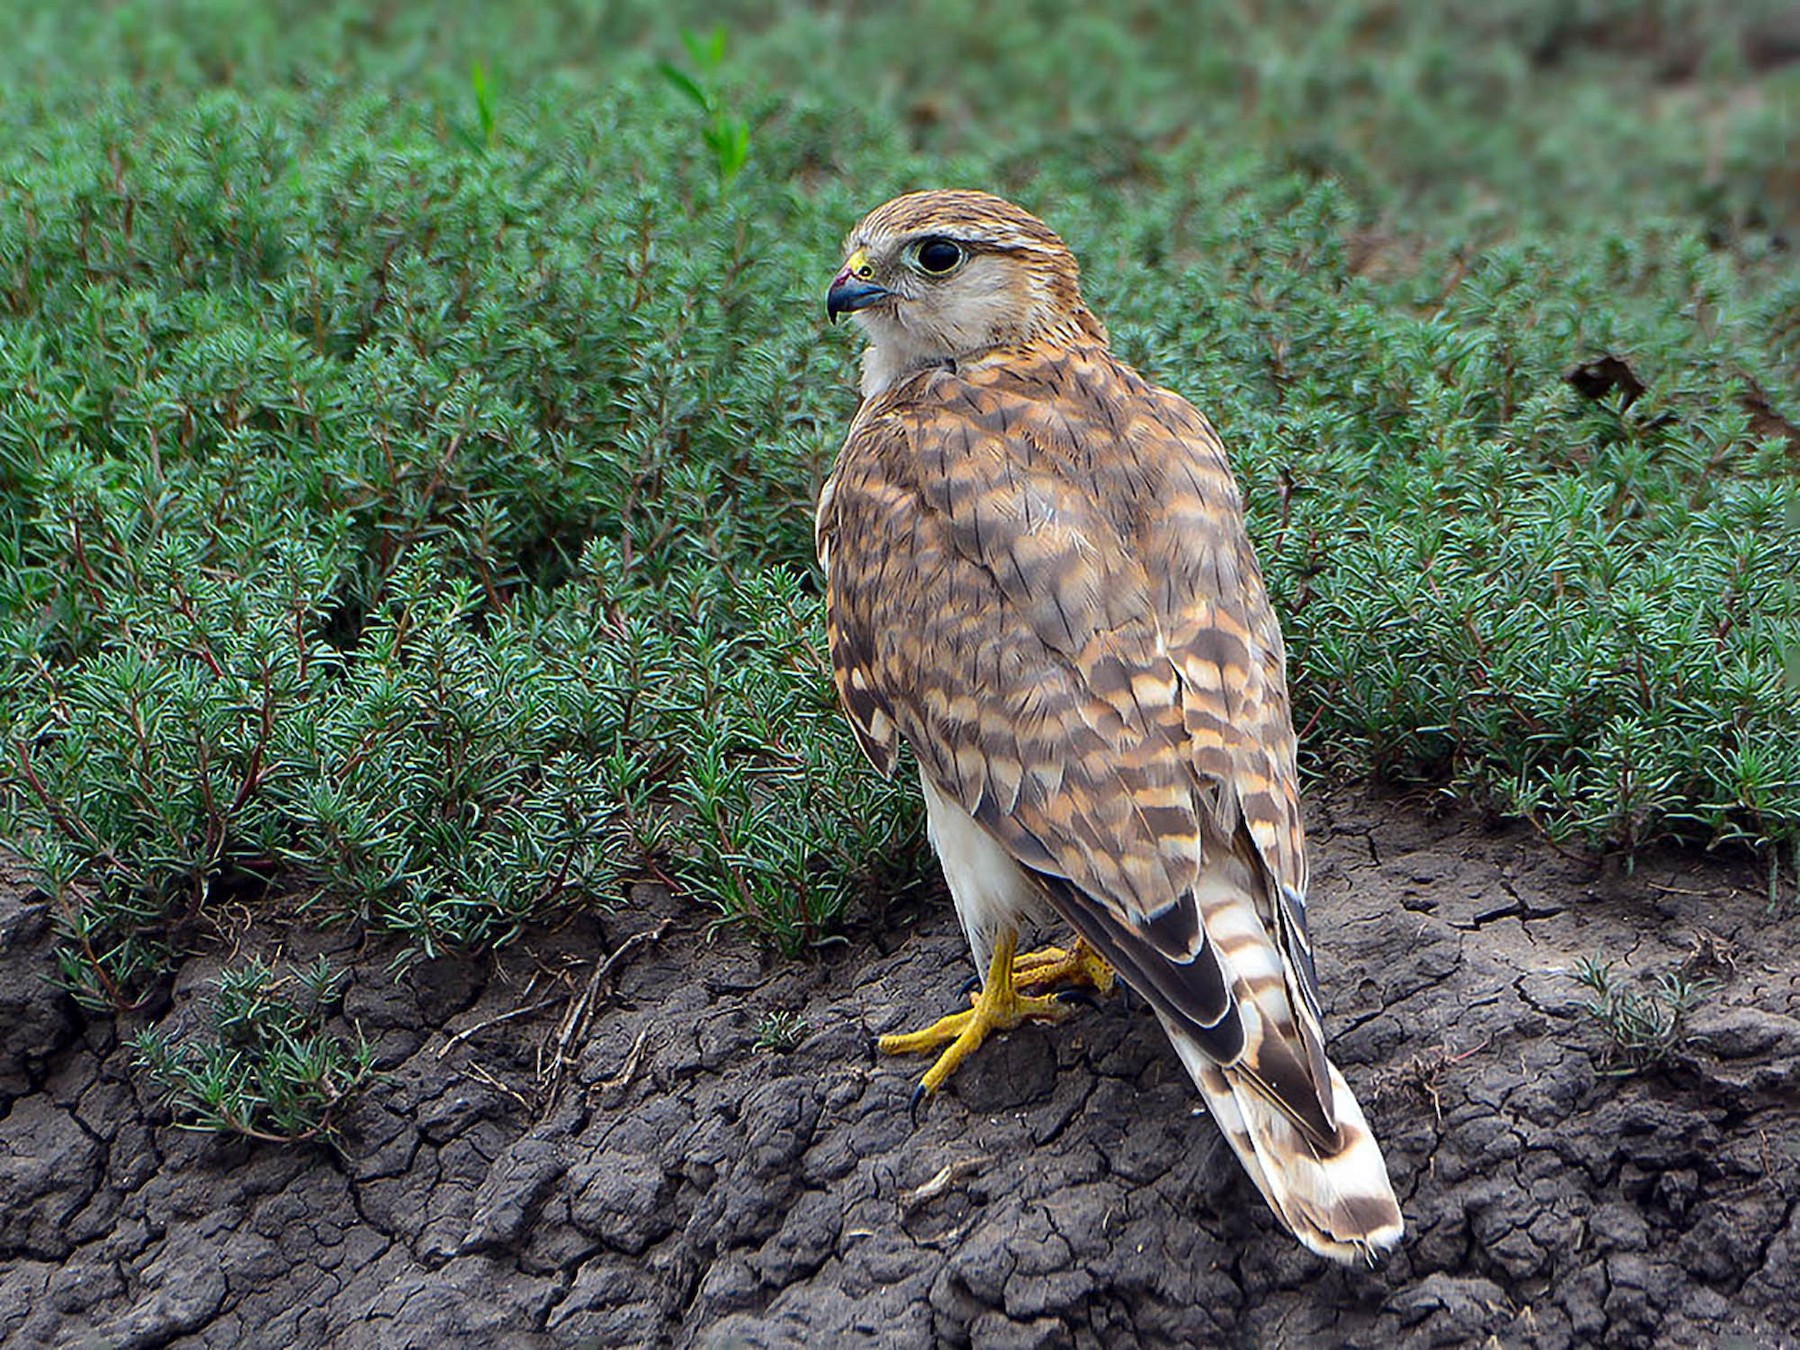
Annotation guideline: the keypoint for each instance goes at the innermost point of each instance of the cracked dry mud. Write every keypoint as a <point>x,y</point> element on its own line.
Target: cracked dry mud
<point>684,1186</point>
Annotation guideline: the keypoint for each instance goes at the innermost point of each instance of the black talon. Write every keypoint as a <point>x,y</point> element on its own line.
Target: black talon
<point>919,1096</point>
<point>1084,997</point>
<point>970,985</point>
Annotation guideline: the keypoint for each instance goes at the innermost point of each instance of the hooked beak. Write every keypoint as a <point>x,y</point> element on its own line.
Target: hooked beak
<point>847,295</point>
<point>853,289</point>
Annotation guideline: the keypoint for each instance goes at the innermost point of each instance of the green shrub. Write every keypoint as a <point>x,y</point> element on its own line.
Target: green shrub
<point>268,1069</point>
<point>406,473</point>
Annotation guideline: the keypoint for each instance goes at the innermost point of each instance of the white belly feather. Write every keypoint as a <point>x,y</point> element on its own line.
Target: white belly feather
<point>991,891</point>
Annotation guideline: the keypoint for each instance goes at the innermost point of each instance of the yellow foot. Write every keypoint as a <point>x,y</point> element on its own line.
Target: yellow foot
<point>1000,1006</point>
<point>1080,967</point>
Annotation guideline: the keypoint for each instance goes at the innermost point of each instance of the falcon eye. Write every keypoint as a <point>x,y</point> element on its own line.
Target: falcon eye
<point>938,256</point>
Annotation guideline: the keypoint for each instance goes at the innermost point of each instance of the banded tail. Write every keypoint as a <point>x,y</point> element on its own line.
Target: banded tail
<point>1338,1203</point>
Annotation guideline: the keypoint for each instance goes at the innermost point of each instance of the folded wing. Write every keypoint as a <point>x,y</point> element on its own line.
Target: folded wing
<point>1040,579</point>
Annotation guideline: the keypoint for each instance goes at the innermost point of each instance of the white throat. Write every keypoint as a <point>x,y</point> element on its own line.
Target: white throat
<point>890,358</point>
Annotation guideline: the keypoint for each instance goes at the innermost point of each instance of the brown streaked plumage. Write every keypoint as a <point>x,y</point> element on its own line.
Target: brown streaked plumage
<point>1040,579</point>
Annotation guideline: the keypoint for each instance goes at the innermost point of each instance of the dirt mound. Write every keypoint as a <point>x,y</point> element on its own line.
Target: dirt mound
<point>683,1179</point>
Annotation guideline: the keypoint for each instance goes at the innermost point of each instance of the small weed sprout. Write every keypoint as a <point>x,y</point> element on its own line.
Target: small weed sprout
<point>270,1071</point>
<point>487,116</point>
<point>1643,1024</point>
<point>780,1031</point>
<point>726,134</point>
<point>1776,903</point>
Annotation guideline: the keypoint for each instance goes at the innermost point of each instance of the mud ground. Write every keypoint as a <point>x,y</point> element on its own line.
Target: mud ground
<point>630,1158</point>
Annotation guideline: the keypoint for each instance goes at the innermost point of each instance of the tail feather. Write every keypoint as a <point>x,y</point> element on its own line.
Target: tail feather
<point>1338,1203</point>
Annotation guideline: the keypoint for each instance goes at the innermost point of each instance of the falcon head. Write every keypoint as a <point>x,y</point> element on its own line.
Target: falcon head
<point>943,276</point>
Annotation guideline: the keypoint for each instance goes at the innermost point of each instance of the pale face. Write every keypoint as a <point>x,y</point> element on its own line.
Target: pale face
<point>949,276</point>
<point>932,296</point>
